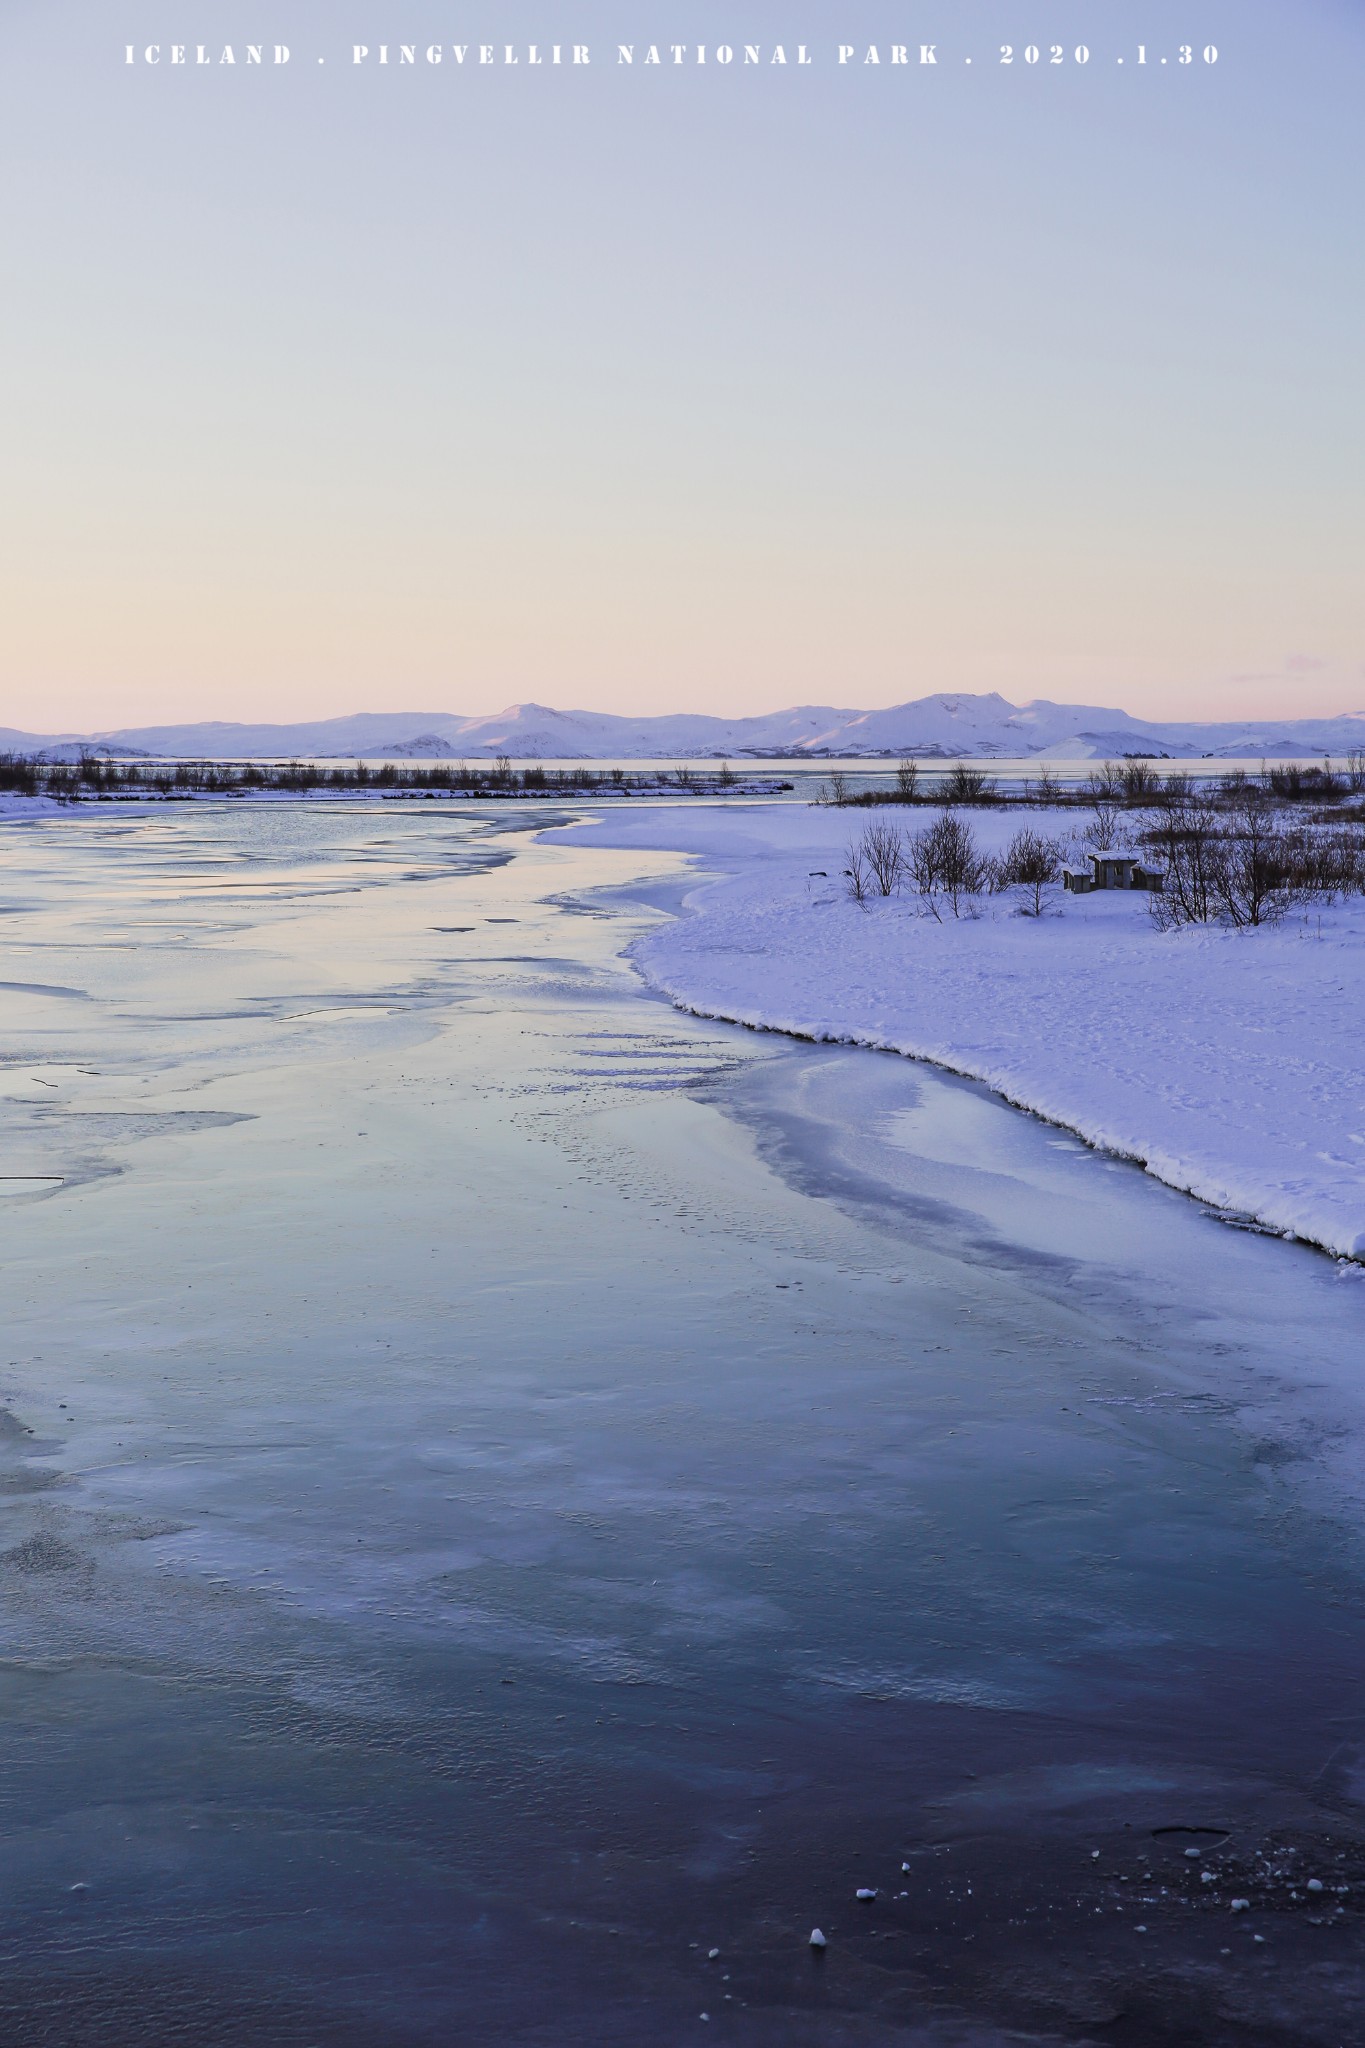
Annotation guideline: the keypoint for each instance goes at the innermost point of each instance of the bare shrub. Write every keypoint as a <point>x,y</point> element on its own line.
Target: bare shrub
<point>1251,869</point>
<point>962,865</point>
<point>1325,864</point>
<point>1031,862</point>
<point>837,787</point>
<point>907,779</point>
<point>1049,789</point>
<point>1296,783</point>
<point>1264,864</point>
<point>18,774</point>
<point>921,861</point>
<point>1322,784</point>
<point>1355,771</point>
<point>944,860</point>
<point>883,850</point>
<point>1186,835</point>
<point>964,785</point>
<point>1105,783</point>
<point>1102,828</point>
<point>1140,781</point>
<point>1248,869</point>
<point>857,874</point>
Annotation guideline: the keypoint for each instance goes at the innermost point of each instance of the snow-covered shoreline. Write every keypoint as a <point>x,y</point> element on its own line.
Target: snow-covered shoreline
<point>1229,1064</point>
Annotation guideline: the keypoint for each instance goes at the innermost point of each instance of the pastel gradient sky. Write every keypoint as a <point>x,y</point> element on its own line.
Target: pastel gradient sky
<point>331,389</point>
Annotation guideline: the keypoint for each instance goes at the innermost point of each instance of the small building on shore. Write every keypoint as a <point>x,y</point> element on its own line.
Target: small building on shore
<point>1111,871</point>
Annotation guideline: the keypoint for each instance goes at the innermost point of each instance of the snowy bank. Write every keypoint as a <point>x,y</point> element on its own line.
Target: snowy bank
<point>1229,1064</point>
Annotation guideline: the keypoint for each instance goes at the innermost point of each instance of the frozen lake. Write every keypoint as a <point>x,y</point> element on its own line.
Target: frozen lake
<point>508,1489</point>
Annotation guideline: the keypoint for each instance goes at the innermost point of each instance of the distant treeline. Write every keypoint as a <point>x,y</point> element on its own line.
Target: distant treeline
<point>1237,853</point>
<point>93,776</point>
<point>1128,782</point>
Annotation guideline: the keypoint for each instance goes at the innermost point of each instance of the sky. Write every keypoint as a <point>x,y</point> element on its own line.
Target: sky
<point>337,387</point>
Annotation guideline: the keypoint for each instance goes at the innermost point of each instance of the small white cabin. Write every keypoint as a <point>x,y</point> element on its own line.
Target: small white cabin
<point>1111,871</point>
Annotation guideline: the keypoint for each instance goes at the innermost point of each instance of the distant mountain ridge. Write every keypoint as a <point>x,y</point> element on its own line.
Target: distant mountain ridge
<point>949,724</point>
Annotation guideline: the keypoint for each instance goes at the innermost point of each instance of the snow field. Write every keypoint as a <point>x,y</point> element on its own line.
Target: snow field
<point>1229,1064</point>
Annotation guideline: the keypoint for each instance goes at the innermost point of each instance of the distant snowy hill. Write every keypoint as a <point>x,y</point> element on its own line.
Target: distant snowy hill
<point>946,725</point>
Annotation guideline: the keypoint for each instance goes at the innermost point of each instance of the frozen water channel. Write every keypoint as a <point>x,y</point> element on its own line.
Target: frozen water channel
<point>507,1489</point>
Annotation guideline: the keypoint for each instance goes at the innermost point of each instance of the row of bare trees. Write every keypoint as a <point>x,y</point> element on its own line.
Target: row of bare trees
<point>1139,782</point>
<point>946,868</point>
<point>1127,784</point>
<point>92,775</point>
<point>960,785</point>
<point>1240,867</point>
<point>1249,866</point>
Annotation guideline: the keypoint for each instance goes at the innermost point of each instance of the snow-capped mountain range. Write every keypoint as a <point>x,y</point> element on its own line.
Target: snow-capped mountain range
<point>947,725</point>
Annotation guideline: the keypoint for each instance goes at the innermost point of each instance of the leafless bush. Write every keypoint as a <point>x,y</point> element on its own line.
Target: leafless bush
<point>1105,783</point>
<point>1186,836</point>
<point>964,785</point>
<point>856,873</point>
<point>19,774</point>
<point>1031,862</point>
<point>1140,781</point>
<point>837,787</point>
<point>961,863</point>
<point>921,861</point>
<point>907,779</point>
<point>883,850</point>
<point>944,860</point>
<point>1326,864</point>
<point>1355,771</point>
<point>1250,867</point>
<point>1296,782</point>
<point>1048,787</point>
<point>1102,828</point>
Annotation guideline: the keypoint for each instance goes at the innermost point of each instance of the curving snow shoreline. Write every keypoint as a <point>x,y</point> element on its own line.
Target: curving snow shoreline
<point>1229,1064</point>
